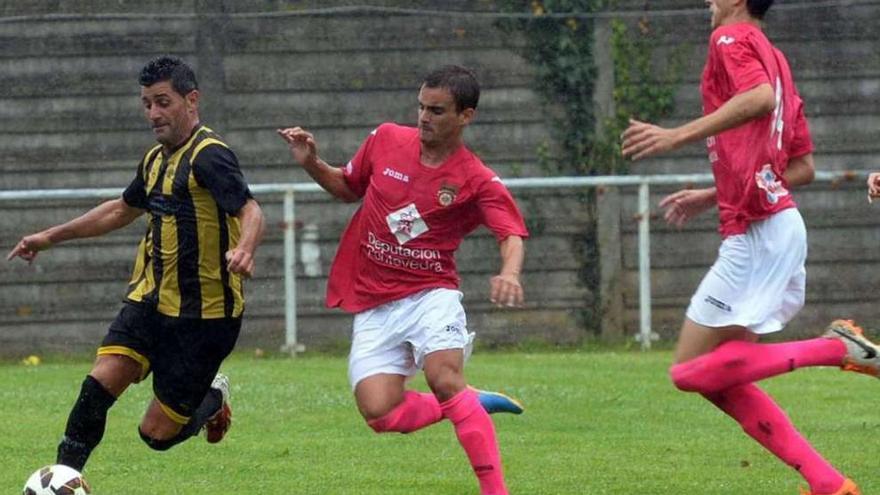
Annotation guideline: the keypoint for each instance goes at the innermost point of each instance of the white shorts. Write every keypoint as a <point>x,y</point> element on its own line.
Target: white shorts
<point>395,337</point>
<point>758,280</point>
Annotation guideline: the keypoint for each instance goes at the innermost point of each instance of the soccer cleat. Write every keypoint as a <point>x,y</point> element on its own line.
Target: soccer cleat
<point>848,488</point>
<point>495,402</point>
<point>862,355</point>
<point>218,424</point>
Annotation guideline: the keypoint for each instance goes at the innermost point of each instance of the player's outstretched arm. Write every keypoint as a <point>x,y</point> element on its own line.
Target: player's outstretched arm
<point>304,150</point>
<point>104,218</point>
<point>505,288</point>
<point>643,140</point>
<point>241,258</point>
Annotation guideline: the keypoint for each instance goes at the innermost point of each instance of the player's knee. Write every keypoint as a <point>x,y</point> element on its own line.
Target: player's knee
<point>158,445</point>
<point>682,378</point>
<point>447,385</point>
<point>379,425</point>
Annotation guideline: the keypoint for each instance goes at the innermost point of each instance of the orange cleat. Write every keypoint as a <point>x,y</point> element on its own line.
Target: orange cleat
<point>862,355</point>
<point>848,488</point>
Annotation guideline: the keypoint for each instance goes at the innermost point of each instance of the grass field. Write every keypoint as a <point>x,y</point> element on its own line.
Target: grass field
<point>595,423</point>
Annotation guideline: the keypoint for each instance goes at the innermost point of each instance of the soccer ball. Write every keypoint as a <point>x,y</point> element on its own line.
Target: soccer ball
<point>56,480</point>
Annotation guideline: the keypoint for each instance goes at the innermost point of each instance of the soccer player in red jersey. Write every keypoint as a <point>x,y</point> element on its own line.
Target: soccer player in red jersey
<point>759,146</point>
<point>421,191</point>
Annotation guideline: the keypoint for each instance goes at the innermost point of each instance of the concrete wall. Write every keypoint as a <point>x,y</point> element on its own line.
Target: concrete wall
<point>834,53</point>
<point>70,117</point>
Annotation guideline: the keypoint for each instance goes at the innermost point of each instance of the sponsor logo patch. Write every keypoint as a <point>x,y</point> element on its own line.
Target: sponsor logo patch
<point>767,181</point>
<point>406,223</point>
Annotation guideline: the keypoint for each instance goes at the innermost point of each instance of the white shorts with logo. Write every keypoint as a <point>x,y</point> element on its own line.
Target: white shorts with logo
<point>395,337</point>
<point>758,280</point>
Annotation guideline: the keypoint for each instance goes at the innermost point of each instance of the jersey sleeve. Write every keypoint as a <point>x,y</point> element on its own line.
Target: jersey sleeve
<point>802,141</point>
<point>358,170</point>
<point>499,211</point>
<point>216,169</point>
<point>135,195</point>
<point>740,61</point>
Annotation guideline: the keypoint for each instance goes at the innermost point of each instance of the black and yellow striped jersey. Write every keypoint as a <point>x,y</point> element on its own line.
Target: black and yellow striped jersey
<point>191,196</point>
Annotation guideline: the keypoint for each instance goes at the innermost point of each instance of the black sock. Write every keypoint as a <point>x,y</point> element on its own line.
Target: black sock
<point>210,405</point>
<point>85,425</point>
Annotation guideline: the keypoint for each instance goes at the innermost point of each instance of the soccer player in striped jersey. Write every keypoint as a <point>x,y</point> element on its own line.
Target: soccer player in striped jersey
<point>182,313</point>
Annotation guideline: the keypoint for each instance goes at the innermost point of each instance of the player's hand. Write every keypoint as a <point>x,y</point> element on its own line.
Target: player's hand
<point>241,262</point>
<point>873,186</point>
<point>505,290</point>
<point>302,145</point>
<point>643,140</point>
<point>683,205</point>
<point>28,247</point>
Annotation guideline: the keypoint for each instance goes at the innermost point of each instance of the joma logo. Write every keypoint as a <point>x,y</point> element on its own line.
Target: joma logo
<point>394,174</point>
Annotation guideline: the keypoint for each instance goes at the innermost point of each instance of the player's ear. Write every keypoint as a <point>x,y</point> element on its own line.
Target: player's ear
<point>192,99</point>
<point>466,116</point>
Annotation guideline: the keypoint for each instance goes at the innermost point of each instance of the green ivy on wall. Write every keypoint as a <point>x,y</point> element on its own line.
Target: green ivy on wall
<point>560,50</point>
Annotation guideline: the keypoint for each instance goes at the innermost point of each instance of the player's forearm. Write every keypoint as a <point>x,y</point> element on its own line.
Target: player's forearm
<point>253,225</point>
<point>331,179</point>
<point>104,218</point>
<point>512,255</point>
<point>800,171</point>
<point>754,103</point>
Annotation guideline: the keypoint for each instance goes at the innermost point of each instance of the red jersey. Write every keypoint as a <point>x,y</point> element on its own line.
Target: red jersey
<point>413,217</point>
<point>748,161</point>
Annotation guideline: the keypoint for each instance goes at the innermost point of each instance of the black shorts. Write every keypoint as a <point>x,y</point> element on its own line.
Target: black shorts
<point>183,354</point>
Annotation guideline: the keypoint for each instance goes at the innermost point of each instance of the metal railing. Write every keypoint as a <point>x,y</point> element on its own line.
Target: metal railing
<point>289,191</point>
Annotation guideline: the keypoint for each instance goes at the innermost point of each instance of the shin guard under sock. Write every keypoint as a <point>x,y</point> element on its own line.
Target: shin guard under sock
<point>85,425</point>
<point>476,433</point>
<point>738,362</point>
<point>417,411</point>
<point>762,419</point>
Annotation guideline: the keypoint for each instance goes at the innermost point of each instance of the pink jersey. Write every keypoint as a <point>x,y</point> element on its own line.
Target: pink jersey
<point>748,161</point>
<point>413,217</point>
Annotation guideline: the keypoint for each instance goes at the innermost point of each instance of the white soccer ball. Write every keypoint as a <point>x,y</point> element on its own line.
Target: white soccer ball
<point>56,480</point>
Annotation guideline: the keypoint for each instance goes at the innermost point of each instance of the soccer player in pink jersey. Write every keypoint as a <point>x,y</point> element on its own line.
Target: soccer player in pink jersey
<point>421,191</point>
<point>759,146</point>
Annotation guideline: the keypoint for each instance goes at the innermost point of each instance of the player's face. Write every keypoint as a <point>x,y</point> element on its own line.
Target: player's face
<point>439,121</point>
<point>171,115</point>
<point>721,10</point>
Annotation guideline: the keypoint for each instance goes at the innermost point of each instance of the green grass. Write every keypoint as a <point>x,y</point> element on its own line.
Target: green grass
<point>595,423</point>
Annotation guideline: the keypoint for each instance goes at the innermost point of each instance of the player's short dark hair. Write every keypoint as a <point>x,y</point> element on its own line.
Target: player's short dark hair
<point>757,8</point>
<point>168,68</point>
<point>461,82</point>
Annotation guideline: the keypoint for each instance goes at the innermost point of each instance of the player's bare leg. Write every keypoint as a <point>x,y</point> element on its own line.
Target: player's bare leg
<point>720,367</point>
<point>162,428</point>
<point>473,426</point>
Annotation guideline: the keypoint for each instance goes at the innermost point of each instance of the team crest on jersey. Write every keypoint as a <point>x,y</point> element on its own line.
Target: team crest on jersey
<point>446,195</point>
<point>766,180</point>
<point>725,40</point>
<point>406,223</point>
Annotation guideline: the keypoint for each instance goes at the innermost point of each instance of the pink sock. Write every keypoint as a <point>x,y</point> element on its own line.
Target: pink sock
<point>417,411</point>
<point>476,433</point>
<point>737,362</point>
<point>764,421</point>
